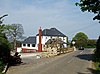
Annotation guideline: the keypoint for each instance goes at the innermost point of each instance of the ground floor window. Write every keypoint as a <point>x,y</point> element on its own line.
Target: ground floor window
<point>28,45</point>
<point>24,44</point>
<point>33,45</point>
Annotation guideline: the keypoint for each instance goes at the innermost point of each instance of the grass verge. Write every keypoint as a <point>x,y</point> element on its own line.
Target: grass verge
<point>1,67</point>
<point>96,64</point>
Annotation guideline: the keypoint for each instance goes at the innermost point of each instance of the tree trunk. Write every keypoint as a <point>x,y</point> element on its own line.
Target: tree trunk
<point>14,47</point>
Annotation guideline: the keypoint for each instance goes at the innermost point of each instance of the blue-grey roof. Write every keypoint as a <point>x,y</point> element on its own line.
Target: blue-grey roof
<point>52,32</point>
<point>30,40</point>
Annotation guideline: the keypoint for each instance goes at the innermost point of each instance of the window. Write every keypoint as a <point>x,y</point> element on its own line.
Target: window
<point>63,38</point>
<point>33,45</point>
<point>24,44</point>
<point>46,37</point>
<point>28,45</point>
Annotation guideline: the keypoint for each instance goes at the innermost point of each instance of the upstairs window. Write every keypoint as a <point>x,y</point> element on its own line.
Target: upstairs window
<point>63,38</point>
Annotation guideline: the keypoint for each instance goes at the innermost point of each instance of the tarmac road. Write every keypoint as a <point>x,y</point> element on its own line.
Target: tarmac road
<point>78,62</point>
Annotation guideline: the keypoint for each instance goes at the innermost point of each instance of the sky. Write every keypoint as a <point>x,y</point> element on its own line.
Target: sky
<point>60,14</point>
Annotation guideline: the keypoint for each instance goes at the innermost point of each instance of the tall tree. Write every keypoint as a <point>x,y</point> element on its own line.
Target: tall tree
<point>4,47</point>
<point>81,39</point>
<point>97,52</point>
<point>90,6</point>
<point>14,32</point>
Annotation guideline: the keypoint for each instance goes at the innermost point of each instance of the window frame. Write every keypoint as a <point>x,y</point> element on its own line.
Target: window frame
<point>28,45</point>
<point>33,45</point>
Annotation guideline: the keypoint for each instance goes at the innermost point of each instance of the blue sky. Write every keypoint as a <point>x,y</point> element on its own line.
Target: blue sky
<point>61,14</point>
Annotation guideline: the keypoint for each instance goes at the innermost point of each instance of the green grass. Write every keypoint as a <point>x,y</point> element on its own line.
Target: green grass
<point>97,65</point>
<point>96,61</point>
<point>1,67</point>
<point>0,72</point>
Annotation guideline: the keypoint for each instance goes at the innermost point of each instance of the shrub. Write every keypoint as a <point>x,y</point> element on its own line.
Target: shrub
<point>1,66</point>
<point>97,52</point>
<point>4,51</point>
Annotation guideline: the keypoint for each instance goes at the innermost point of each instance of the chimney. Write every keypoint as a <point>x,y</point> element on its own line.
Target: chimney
<point>40,44</point>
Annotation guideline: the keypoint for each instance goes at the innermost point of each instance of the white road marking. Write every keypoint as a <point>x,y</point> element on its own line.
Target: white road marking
<point>81,52</point>
<point>70,60</point>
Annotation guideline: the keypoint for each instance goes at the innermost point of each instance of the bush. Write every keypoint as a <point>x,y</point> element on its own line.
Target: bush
<point>96,57</point>
<point>1,66</point>
<point>97,52</point>
<point>4,51</point>
<point>90,46</point>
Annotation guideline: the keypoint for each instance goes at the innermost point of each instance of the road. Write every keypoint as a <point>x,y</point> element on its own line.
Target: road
<point>78,62</point>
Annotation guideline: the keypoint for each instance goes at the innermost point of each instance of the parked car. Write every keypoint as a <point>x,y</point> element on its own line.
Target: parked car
<point>81,48</point>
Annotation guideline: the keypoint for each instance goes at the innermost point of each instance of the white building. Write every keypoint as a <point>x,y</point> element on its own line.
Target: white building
<point>31,43</point>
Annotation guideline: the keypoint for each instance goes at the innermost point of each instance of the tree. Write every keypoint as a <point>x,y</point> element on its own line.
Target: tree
<point>97,52</point>
<point>80,39</point>
<point>4,51</point>
<point>90,6</point>
<point>91,43</point>
<point>4,48</point>
<point>14,32</point>
<point>4,44</point>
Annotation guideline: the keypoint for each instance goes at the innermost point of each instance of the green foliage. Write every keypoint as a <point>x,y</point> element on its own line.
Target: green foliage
<point>96,63</point>
<point>91,44</point>
<point>97,52</point>
<point>1,66</point>
<point>4,46</point>
<point>2,28</point>
<point>81,39</point>
<point>96,57</point>
<point>4,49</point>
<point>90,6</point>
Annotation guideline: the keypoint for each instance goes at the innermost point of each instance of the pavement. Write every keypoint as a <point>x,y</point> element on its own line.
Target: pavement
<point>26,55</point>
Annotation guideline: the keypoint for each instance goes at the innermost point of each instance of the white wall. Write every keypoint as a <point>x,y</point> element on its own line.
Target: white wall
<point>46,38</point>
<point>43,38</point>
<point>29,47</point>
